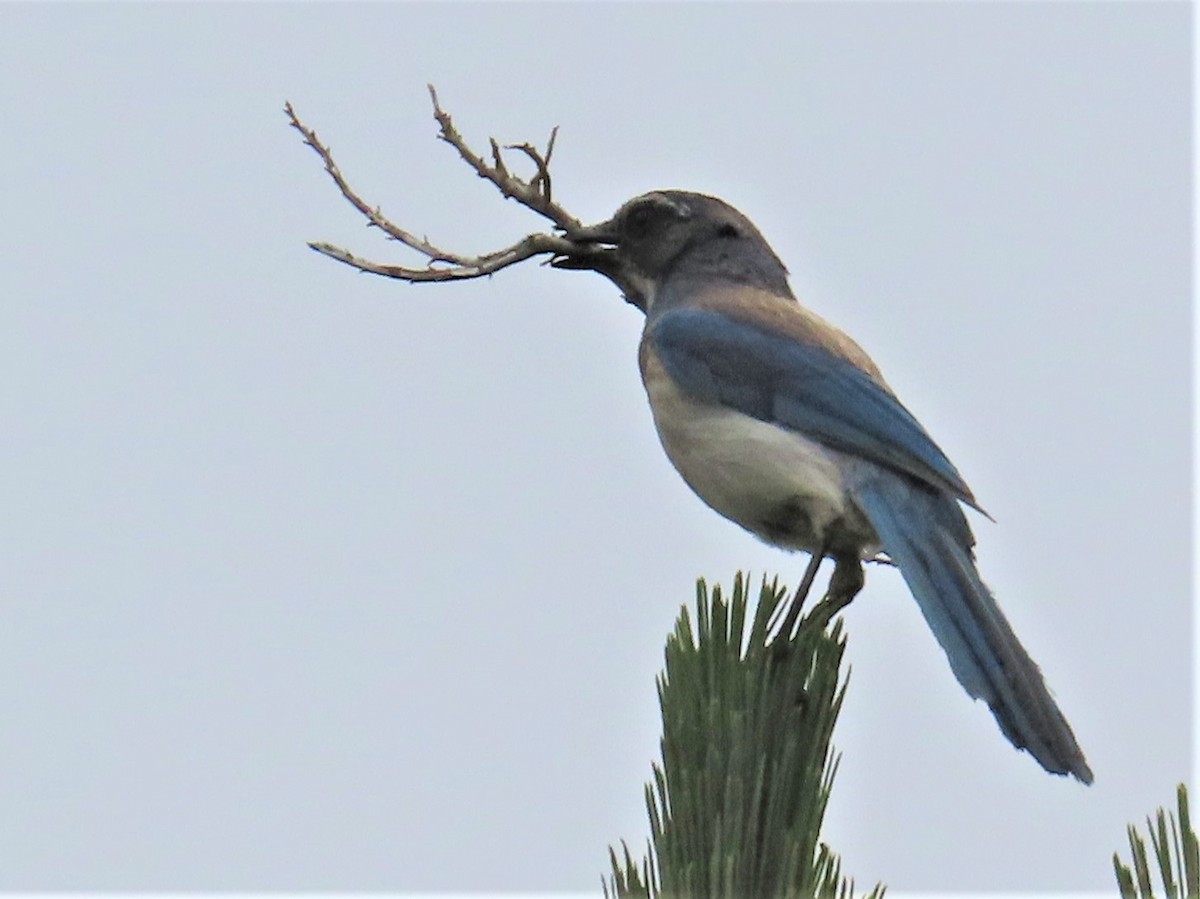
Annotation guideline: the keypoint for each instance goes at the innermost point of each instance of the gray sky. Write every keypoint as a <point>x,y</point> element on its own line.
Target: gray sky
<point>314,580</point>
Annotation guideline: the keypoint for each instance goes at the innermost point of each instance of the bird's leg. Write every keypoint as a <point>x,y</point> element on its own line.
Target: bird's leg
<point>797,603</point>
<point>844,584</point>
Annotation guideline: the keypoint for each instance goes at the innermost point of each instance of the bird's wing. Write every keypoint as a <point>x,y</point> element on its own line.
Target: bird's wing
<point>774,377</point>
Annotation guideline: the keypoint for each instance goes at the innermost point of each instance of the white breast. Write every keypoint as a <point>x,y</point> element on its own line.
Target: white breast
<point>750,471</point>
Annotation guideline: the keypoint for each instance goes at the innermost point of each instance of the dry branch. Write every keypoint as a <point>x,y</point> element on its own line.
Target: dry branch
<point>445,265</point>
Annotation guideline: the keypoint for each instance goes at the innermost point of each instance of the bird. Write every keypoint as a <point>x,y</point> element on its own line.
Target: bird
<point>782,423</point>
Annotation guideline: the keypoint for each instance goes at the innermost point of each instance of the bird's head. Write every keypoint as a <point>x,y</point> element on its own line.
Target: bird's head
<point>666,235</point>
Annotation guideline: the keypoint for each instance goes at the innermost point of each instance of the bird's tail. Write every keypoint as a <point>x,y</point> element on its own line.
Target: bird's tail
<point>928,538</point>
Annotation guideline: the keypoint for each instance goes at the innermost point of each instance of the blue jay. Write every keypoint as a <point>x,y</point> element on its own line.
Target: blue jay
<point>781,423</point>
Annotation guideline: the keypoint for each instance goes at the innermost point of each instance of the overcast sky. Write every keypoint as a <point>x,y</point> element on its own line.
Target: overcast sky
<point>313,580</point>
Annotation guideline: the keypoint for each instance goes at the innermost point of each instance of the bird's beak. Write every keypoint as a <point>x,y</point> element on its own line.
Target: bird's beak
<point>605,232</point>
<point>597,249</point>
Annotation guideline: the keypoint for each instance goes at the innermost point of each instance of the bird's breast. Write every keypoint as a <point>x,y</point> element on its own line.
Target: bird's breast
<point>776,483</point>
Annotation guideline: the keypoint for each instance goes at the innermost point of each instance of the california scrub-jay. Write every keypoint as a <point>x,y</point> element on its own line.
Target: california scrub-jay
<point>782,424</point>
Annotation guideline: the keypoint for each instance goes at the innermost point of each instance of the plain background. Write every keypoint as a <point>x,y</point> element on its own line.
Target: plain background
<point>313,580</point>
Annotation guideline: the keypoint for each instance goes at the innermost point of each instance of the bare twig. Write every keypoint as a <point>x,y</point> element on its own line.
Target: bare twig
<point>541,181</point>
<point>470,267</point>
<point>533,194</point>
<point>377,219</point>
<point>446,265</point>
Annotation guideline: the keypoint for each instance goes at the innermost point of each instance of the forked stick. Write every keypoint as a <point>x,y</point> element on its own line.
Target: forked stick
<point>446,265</point>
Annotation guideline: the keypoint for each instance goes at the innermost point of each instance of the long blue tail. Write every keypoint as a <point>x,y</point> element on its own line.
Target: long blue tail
<point>927,536</point>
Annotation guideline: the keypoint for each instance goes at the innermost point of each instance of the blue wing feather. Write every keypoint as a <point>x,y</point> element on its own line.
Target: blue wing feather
<point>984,653</point>
<point>776,378</point>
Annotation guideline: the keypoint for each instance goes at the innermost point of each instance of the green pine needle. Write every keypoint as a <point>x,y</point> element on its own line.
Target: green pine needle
<point>747,766</point>
<point>1176,852</point>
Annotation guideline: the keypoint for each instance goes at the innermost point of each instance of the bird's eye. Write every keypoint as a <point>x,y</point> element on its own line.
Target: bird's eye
<point>728,230</point>
<point>652,215</point>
